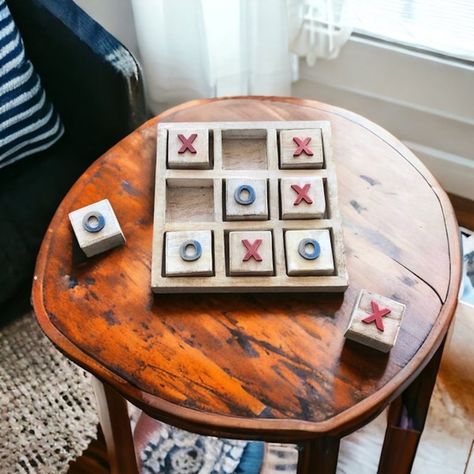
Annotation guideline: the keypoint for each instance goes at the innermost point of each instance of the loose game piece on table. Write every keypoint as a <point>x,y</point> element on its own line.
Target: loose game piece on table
<point>250,253</point>
<point>375,321</point>
<point>96,228</point>
<point>309,252</point>
<point>246,199</point>
<point>301,149</point>
<point>188,253</point>
<point>302,198</point>
<point>257,211</point>
<point>189,148</point>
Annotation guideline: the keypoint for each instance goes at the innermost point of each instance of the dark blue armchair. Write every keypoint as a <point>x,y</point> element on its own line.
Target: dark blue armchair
<point>96,85</point>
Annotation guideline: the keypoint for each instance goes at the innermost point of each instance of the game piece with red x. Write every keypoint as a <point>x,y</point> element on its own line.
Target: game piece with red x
<point>301,149</point>
<point>189,149</point>
<point>302,198</point>
<point>250,253</point>
<point>375,321</point>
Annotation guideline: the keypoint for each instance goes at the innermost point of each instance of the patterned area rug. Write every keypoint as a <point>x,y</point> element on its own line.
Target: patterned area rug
<point>47,407</point>
<point>165,449</point>
<point>187,454</point>
<point>173,451</point>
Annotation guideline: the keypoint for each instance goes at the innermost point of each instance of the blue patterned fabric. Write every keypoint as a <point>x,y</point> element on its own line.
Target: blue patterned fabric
<point>252,459</point>
<point>28,121</point>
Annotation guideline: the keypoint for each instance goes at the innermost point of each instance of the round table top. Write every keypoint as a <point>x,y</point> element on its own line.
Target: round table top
<point>265,366</point>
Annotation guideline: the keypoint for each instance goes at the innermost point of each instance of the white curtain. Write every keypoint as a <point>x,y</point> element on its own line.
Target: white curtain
<point>206,48</point>
<point>320,27</point>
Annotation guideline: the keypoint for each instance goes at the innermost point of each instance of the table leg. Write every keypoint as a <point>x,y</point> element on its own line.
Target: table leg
<point>318,455</point>
<point>115,422</point>
<point>406,420</point>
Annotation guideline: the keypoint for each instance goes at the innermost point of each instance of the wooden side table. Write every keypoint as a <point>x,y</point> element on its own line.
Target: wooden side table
<point>270,367</point>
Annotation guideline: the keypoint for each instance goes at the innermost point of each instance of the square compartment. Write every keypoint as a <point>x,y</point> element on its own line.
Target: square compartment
<point>315,260</point>
<point>200,156</point>
<point>189,200</point>
<point>244,149</point>
<point>291,158</point>
<point>256,211</point>
<point>234,252</point>
<point>200,244</point>
<point>318,195</point>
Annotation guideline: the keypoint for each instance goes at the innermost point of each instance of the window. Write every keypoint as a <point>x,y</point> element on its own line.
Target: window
<point>440,26</point>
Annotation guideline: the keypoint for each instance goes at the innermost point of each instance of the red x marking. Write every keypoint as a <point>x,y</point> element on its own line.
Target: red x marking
<point>187,143</point>
<point>376,316</point>
<point>302,146</point>
<point>252,250</point>
<point>302,193</point>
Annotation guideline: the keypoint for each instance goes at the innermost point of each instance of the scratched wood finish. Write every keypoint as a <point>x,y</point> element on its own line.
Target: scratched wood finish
<point>273,367</point>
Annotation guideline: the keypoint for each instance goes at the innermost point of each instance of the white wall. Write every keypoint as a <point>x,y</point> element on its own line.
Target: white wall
<point>116,16</point>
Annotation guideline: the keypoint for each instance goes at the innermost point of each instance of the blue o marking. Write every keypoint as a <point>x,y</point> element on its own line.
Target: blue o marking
<point>303,251</point>
<point>197,250</point>
<point>238,194</point>
<point>89,218</point>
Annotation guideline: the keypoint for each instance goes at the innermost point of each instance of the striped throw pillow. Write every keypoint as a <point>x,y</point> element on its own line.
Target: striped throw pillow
<point>28,121</point>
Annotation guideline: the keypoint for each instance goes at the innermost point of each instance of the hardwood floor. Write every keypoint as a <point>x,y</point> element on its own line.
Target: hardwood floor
<point>94,460</point>
<point>464,209</point>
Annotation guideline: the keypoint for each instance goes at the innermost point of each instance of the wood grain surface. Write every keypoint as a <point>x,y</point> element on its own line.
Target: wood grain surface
<point>272,367</point>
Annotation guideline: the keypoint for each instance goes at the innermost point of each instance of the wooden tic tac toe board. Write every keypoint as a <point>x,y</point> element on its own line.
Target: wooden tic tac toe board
<point>246,207</point>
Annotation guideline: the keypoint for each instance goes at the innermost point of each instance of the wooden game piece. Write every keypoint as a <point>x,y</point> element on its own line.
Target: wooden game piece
<point>309,252</point>
<point>188,253</point>
<point>189,148</point>
<point>375,321</point>
<point>96,228</point>
<point>246,199</point>
<point>302,198</point>
<point>250,253</point>
<point>301,149</point>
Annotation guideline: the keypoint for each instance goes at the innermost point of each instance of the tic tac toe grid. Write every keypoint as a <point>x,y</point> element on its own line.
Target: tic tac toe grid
<point>193,200</point>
